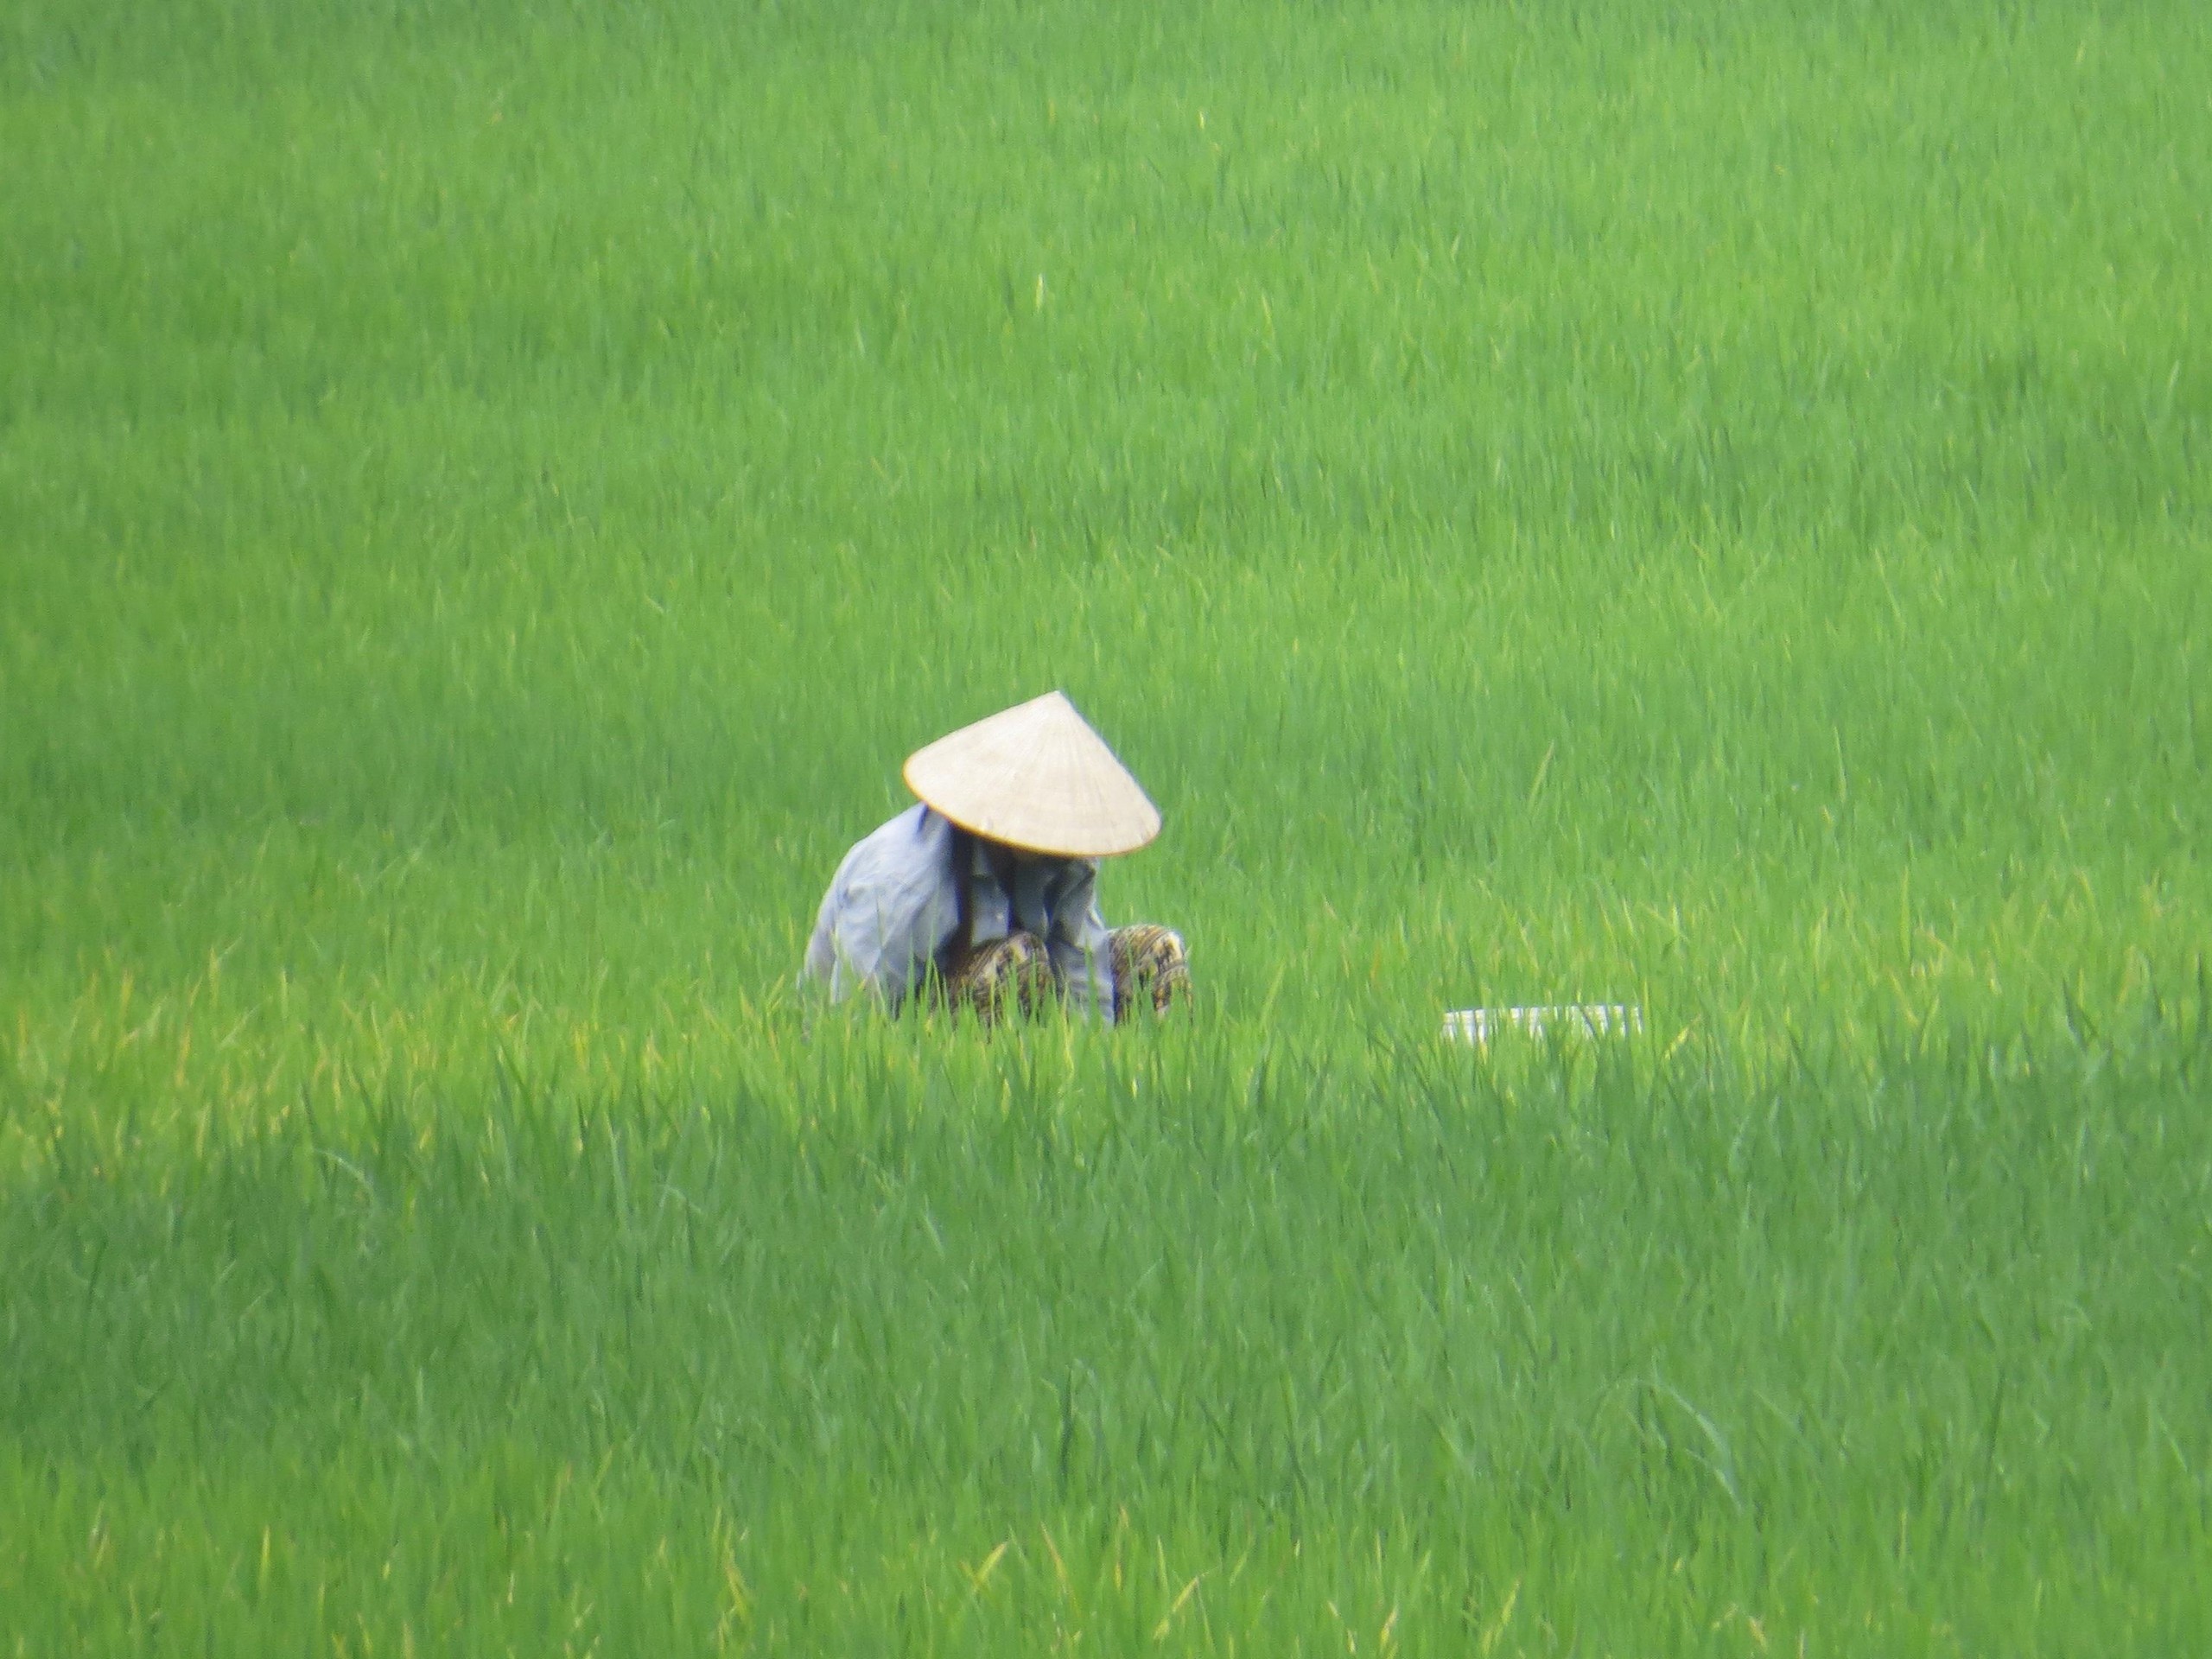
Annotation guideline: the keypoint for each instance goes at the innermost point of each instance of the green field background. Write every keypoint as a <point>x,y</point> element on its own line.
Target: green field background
<point>1701,505</point>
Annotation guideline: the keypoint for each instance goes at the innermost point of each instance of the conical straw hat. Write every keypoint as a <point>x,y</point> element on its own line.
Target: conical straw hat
<point>1037,777</point>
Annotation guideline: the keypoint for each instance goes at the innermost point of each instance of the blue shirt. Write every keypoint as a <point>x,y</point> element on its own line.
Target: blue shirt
<point>893,905</point>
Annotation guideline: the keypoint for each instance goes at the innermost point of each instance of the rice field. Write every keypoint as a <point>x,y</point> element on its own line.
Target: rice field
<point>1702,506</point>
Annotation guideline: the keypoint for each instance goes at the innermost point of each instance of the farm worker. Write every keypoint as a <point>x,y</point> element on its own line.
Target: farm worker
<point>985,893</point>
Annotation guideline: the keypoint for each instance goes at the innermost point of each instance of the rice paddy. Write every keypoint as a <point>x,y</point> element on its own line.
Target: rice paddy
<point>1696,508</point>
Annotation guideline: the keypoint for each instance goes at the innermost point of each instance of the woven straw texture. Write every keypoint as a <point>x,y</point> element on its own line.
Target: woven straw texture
<point>1036,776</point>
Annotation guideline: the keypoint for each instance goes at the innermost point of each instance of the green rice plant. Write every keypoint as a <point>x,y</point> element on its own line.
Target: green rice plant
<point>1701,505</point>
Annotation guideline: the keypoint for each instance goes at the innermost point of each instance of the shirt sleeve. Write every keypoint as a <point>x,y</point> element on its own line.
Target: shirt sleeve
<point>1079,945</point>
<point>888,909</point>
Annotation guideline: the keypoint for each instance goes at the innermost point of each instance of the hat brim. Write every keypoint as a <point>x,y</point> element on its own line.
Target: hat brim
<point>1036,777</point>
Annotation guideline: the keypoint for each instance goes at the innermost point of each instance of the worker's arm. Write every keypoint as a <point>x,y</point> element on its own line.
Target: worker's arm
<point>887,911</point>
<point>1078,944</point>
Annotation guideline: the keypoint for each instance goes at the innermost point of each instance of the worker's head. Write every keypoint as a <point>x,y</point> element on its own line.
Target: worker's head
<point>1037,778</point>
